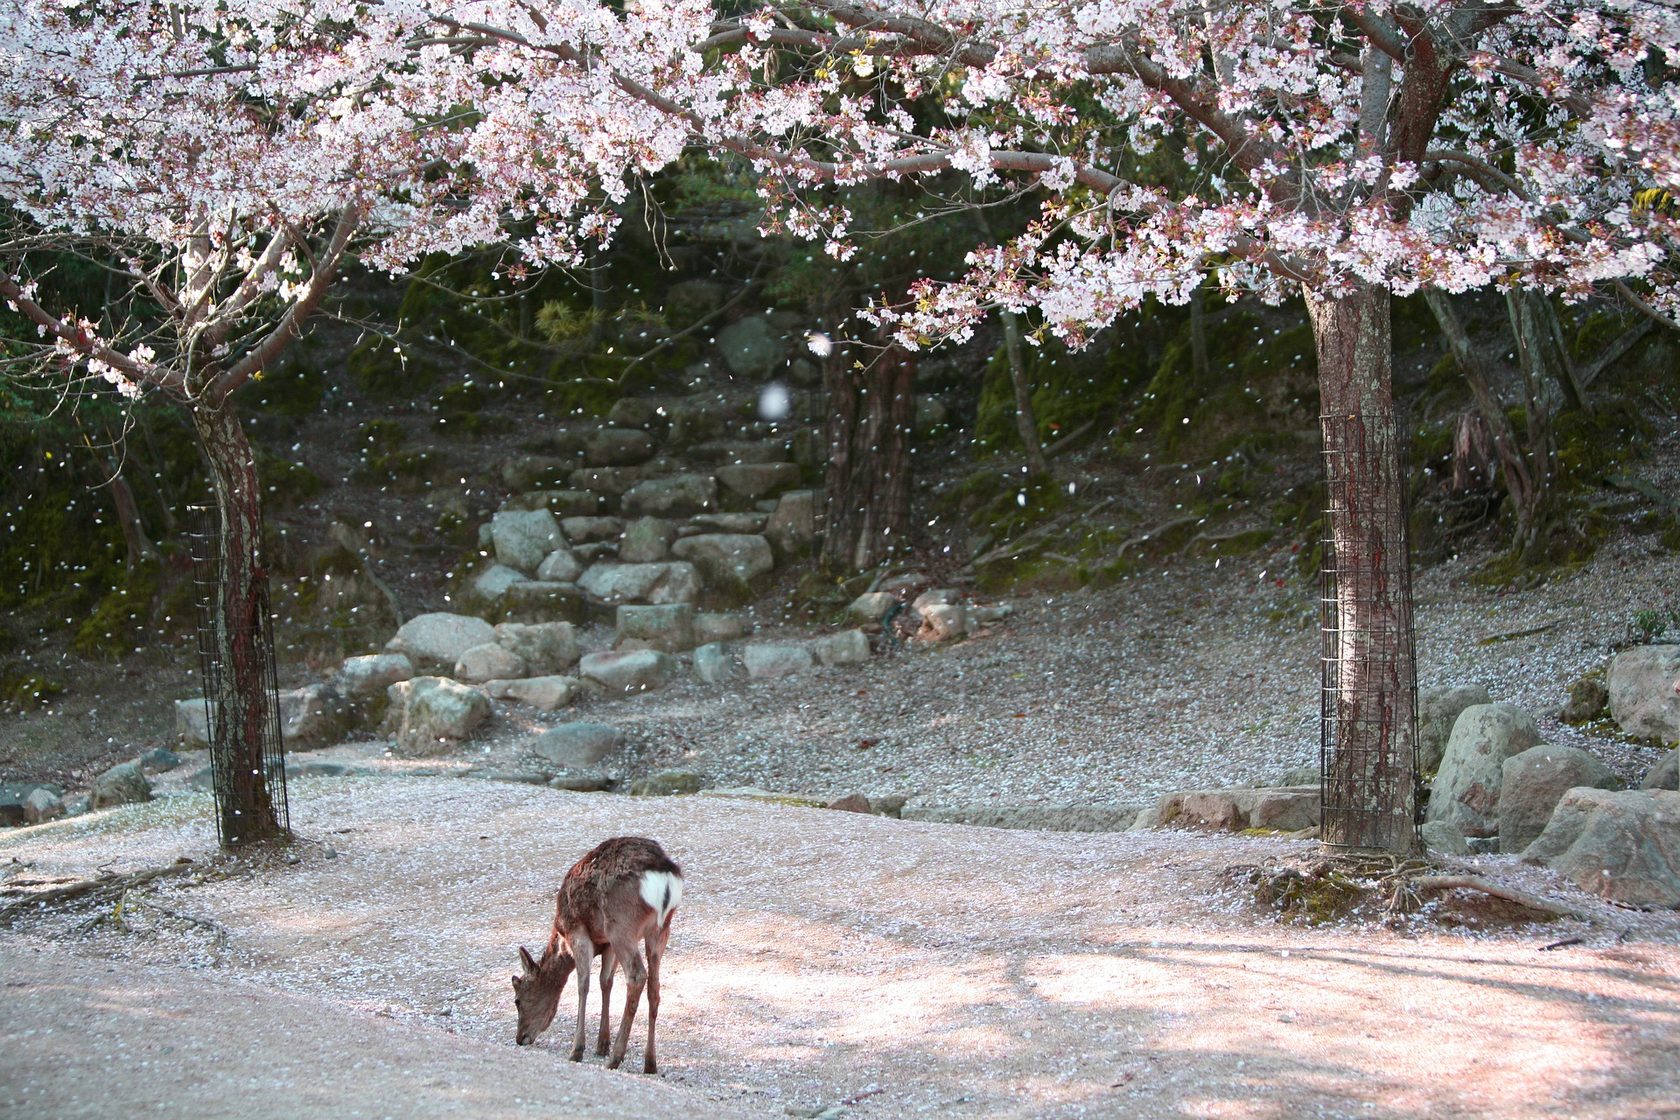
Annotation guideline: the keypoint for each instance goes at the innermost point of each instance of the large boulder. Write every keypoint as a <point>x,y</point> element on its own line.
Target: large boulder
<point>719,626</point>
<point>361,679</point>
<point>1438,710</point>
<point>560,566</point>
<point>680,495</point>
<point>539,601</point>
<point>544,647</point>
<point>870,608</point>
<point>1645,692</point>
<point>1623,846</point>
<point>120,785</point>
<point>792,528</point>
<point>1466,790</point>
<point>943,622</point>
<point>848,647</point>
<point>1535,781</point>
<point>752,481</point>
<point>766,661</point>
<point>668,627</point>
<point>488,662</point>
<point>192,724</point>
<point>751,347</point>
<point>1665,774</point>
<point>730,563</point>
<point>546,693</point>
<point>491,582</point>
<point>593,530</point>
<point>1282,808</point>
<point>561,503</point>
<point>434,642</point>
<point>717,663</point>
<point>536,472</point>
<point>673,582</point>
<point>646,540</point>
<point>522,538</point>
<point>630,671</point>
<point>617,447</point>
<point>433,714</point>
<point>313,716</point>
<point>577,745</point>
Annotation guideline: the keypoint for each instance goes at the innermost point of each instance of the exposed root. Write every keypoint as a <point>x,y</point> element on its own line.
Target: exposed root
<point>105,888</point>
<point>1328,888</point>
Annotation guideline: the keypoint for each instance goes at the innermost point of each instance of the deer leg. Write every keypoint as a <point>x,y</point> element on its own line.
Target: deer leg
<point>635,977</point>
<point>608,963</point>
<point>583,951</point>
<point>655,953</point>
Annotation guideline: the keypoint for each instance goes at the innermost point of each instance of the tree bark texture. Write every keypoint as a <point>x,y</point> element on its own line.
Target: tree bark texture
<point>1026,420</point>
<point>867,480</point>
<point>243,707</point>
<point>1513,462</point>
<point>1369,766</point>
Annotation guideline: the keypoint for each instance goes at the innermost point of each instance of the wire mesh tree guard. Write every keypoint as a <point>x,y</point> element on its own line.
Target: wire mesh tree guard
<point>1368,763</point>
<point>247,751</point>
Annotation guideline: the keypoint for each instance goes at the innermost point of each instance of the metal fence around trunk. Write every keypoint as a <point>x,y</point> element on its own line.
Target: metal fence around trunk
<point>1368,763</point>
<point>229,753</point>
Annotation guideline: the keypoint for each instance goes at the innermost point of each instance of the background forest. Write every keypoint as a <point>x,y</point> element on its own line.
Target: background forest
<point>414,406</point>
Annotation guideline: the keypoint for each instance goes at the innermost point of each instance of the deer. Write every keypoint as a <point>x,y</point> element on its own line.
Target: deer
<point>624,891</point>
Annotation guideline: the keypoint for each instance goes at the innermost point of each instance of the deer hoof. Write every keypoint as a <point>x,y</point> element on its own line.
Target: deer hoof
<point>615,1061</point>
<point>577,1055</point>
<point>601,1050</point>
<point>650,1066</point>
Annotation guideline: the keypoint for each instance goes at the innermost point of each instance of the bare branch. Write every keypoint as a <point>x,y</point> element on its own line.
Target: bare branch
<point>291,322</point>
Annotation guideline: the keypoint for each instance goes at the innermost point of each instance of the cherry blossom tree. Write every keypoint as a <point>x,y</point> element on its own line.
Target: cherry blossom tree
<point>1344,152</point>
<point>224,161</point>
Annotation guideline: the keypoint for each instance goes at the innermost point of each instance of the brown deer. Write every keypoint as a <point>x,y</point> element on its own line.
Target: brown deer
<point>624,891</point>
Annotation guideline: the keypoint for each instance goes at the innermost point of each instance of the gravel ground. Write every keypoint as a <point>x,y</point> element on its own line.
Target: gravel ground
<point>1194,677</point>
<point>824,963</point>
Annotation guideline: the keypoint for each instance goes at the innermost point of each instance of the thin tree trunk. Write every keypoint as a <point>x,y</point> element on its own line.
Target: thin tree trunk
<point>1370,764</point>
<point>243,705</point>
<point>1199,364</point>
<point>1548,383</point>
<point>870,418</point>
<point>141,550</point>
<point>1026,420</point>
<point>1513,464</point>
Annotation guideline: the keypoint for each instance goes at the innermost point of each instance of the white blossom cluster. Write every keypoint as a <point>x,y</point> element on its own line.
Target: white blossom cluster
<point>1438,143</point>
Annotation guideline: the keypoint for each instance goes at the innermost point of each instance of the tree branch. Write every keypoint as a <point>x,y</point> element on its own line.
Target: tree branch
<point>291,322</point>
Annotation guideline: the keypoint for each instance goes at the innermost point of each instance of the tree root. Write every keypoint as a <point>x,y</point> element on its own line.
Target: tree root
<point>104,888</point>
<point>1328,888</point>
<point>1424,884</point>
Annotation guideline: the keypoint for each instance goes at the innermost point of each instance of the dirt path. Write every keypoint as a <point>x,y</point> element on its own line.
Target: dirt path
<point>822,961</point>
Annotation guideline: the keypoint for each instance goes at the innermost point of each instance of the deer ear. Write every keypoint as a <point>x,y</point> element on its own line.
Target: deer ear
<point>525,959</point>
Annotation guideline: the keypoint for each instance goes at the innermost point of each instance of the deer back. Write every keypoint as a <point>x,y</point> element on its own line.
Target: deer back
<point>619,888</point>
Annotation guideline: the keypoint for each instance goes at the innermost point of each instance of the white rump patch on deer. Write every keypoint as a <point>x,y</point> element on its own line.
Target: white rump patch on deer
<point>662,891</point>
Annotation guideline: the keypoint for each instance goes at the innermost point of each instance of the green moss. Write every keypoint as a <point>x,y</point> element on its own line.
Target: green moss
<point>25,691</point>
<point>383,370</point>
<point>380,436</point>
<point>284,482</point>
<point>120,619</point>
<point>295,390</point>
<point>1592,444</point>
<point>1069,390</point>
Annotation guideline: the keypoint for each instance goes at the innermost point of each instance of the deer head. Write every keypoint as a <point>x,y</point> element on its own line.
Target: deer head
<point>537,993</point>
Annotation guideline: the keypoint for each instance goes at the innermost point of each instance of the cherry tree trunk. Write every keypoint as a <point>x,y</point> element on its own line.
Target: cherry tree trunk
<point>1369,765</point>
<point>867,478</point>
<point>242,702</point>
